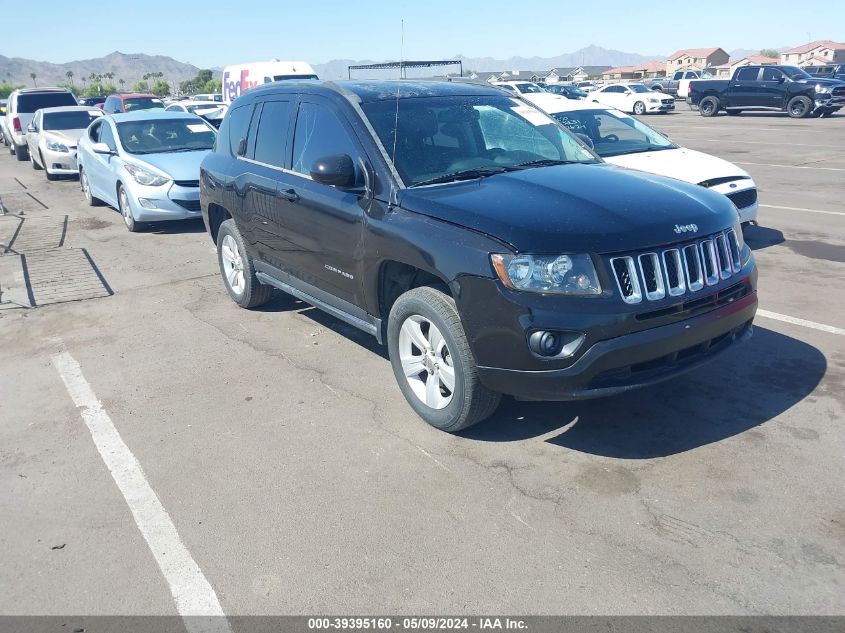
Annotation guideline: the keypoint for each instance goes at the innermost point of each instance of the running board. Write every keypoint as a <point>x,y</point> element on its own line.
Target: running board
<point>370,328</point>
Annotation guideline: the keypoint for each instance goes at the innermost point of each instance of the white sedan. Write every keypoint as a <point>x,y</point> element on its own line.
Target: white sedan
<point>52,137</point>
<point>633,98</point>
<point>625,141</point>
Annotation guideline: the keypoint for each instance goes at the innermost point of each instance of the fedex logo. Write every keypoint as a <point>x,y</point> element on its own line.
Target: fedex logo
<point>235,86</point>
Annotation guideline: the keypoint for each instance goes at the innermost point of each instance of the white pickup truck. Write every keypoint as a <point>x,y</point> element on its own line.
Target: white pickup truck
<point>678,85</point>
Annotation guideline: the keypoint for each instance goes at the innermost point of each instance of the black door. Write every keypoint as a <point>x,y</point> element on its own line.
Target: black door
<point>745,89</point>
<point>772,87</point>
<point>322,225</point>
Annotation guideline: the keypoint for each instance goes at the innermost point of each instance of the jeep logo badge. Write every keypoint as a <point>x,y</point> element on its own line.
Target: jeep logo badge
<point>686,228</point>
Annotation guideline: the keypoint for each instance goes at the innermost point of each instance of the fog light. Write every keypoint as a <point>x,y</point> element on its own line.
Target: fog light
<point>551,344</point>
<point>147,204</point>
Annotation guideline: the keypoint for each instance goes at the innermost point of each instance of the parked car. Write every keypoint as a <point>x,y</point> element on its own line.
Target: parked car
<point>22,106</point>
<point>211,111</point>
<point>519,87</point>
<point>633,98</point>
<point>587,85</point>
<point>97,102</point>
<point>52,137</point>
<point>145,164</point>
<point>130,102</point>
<point>566,90</point>
<point>833,71</point>
<point>628,142</point>
<point>489,248</point>
<point>3,104</point>
<point>672,85</point>
<point>218,98</point>
<point>776,88</point>
<point>239,78</point>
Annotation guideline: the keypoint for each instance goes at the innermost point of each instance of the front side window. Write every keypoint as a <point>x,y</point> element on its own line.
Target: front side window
<point>437,137</point>
<point>639,88</point>
<point>319,133</point>
<point>157,136</point>
<point>272,135</point>
<point>614,134</point>
<point>771,74</point>
<point>94,132</point>
<point>107,136</point>
<point>69,120</point>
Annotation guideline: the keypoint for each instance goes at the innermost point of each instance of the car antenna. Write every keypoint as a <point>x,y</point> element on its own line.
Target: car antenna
<point>398,86</point>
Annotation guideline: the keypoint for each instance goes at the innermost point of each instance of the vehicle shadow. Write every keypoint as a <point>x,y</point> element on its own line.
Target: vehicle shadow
<point>283,302</point>
<point>759,237</point>
<point>175,227</point>
<point>741,390</point>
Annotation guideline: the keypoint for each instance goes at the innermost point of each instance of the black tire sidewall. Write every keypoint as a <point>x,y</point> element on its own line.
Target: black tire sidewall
<point>255,293</point>
<point>808,107</point>
<point>132,226</point>
<point>703,106</point>
<point>451,415</point>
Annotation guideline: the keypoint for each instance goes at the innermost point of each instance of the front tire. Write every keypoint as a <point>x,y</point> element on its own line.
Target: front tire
<point>433,364</point>
<point>799,107</point>
<point>238,269</point>
<point>35,164</point>
<point>86,190</point>
<point>126,211</point>
<point>639,108</point>
<point>709,106</point>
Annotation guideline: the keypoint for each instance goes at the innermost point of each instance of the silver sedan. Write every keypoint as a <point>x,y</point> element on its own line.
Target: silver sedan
<point>52,137</point>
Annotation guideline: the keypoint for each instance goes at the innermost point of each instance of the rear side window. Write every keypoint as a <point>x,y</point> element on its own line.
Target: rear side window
<point>319,133</point>
<point>238,124</point>
<point>272,136</point>
<point>747,74</point>
<point>30,102</point>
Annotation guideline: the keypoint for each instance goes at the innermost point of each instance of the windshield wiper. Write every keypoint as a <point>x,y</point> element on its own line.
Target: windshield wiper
<point>546,162</point>
<point>650,148</point>
<point>465,174</point>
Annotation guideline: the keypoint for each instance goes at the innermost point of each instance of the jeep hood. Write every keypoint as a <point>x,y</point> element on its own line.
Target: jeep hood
<point>575,208</point>
<point>683,164</point>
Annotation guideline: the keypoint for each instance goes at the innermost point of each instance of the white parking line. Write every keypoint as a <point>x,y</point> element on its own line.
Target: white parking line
<point>191,591</point>
<point>793,166</point>
<point>774,206</point>
<point>802,322</point>
<point>747,142</point>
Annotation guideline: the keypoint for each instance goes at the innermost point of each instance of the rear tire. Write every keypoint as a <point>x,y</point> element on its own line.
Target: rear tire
<point>440,381</point>
<point>21,153</point>
<point>799,107</point>
<point>238,269</point>
<point>709,106</point>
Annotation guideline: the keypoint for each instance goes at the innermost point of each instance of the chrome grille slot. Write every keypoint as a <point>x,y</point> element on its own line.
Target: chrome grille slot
<point>710,266</point>
<point>653,284</point>
<point>675,281</point>
<point>692,262</point>
<point>677,270</point>
<point>733,247</point>
<point>725,269</point>
<point>626,279</point>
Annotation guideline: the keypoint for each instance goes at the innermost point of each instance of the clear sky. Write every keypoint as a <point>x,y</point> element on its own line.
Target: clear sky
<point>216,33</point>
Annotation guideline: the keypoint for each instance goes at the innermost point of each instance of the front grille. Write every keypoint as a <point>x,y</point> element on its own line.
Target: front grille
<point>187,183</point>
<point>742,199</point>
<point>667,101</point>
<point>190,205</point>
<point>678,270</point>
<point>839,92</point>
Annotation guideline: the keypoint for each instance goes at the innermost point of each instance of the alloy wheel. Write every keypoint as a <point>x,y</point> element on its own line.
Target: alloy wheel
<point>233,264</point>
<point>426,362</point>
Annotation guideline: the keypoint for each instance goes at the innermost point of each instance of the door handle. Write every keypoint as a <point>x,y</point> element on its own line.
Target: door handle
<point>288,194</point>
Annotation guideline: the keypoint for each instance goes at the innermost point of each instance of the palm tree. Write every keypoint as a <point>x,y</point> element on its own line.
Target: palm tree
<point>69,75</point>
<point>34,83</point>
<point>121,81</point>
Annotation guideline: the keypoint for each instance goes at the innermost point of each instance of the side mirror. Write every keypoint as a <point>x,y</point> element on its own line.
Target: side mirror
<point>781,79</point>
<point>337,170</point>
<point>31,128</point>
<point>102,148</point>
<point>587,140</point>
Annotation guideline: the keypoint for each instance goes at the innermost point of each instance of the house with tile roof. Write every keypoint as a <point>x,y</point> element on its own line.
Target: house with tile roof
<point>725,71</point>
<point>818,53</point>
<point>695,59</point>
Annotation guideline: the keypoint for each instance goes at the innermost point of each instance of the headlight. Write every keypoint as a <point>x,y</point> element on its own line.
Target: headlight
<point>744,251</point>
<point>823,90</point>
<point>55,146</point>
<point>557,274</point>
<point>147,178</point>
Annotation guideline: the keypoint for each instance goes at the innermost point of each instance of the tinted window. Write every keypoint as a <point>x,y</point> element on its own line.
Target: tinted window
<point>747,74</point>
<point>159,136</point>
<point>142,103</point>
<point>30,102</point>
<point>771,74</point>
<point>69,120</point>
<point>238,124</point>
<point>319,133</point>
<point>271,138</point>
<point>107,136</point>
<point>94,133</point>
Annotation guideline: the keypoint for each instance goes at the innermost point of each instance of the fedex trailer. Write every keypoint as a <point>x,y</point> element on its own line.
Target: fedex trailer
<point>239,78</point>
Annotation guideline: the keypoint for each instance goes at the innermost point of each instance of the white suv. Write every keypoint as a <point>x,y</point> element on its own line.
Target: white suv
<point>22,106</point>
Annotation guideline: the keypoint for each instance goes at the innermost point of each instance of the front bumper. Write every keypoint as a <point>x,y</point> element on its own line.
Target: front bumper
<point>829,102</point>
<point>743,193</point>
<point>59,163</point>
<point>659,107</point>
<point>634,360</point>
<point>165,203</point>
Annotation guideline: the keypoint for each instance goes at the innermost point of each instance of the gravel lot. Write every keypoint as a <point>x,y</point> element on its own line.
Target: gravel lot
<point>300,482</point>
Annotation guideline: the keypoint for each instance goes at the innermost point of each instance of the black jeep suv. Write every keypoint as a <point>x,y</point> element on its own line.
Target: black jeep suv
<point>490,249</point>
